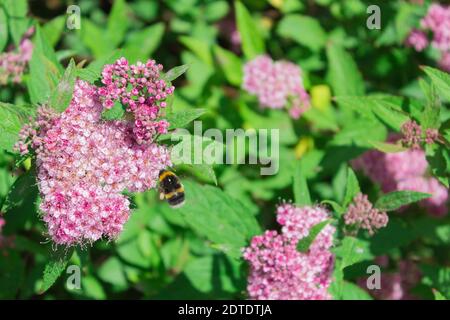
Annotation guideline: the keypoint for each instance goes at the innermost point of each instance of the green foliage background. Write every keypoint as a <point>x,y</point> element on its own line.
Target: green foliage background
<point>194,252</point>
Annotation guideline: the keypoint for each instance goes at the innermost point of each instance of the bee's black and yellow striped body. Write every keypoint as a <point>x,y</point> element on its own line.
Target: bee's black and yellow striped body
<point>171,188</point>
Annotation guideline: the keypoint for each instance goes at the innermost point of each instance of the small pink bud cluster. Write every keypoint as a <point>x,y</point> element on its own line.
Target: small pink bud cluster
<point>141,90</point>
<point>413,137</point>
<point>396,285</point>
<point>417,39</point>
<point>13,64</point>
<point>404,171</point>
<point>362,214</point>
<point>84,164</point>
<point>277,84</point>
<point>278,271</point>
<point>437,20</point>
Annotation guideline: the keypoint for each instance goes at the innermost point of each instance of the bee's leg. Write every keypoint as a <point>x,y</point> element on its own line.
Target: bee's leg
<point>161,193</point>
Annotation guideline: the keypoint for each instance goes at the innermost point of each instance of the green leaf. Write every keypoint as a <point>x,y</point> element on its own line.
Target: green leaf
<point>175,72</point>
<point>183,118</point>
<point>212,276</point>
<point>337,208</point>
<point>273,119</point>
<point>352,250</point>
<point>387,147</point>
<point>189,154</point>
<point>230,64</point>
<point>3,29</point>
<point>359,133</point>
<point>438,277</point>
<point>440,79</point>
<point>349,252</point>
<point>343,73</point>
<point>200,48</point>
<point>45,69</point>
<point>16,11</point>
<point>348,291</point>
<point>203,171</point>
<point>53,29</point>
<point>322,120</point>
<point>305,243</point>
<point>13,118</point>
<point>111,271</point>
<point>20,192</point>
<point>438,157</point>
<point>394,118</point>
<point>115,113</point>
<point>352,188</point>
<point>62,94</point>
<point>140,45</point>
<point>92,288</point>
<point>383,108</point>
<point>12,274</point>
<point>301,191</point>
<point>225,221</point>
<point>304,30</point>
<point>216,10</point>
<point>55,267</point>
<point>93,71</point>
<point>438,295</point>
<point>431,113</point>
<point>200,271</point>
<point>397,199</point>
<point>96,39</point>
<point>118,22</point>
<point>252,40</point>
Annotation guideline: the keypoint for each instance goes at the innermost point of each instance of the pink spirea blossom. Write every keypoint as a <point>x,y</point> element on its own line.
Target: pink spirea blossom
<point>396,285</point>
<point>277,84</point>
<point>431,135</point>
<point>444,62</point>
<point>362,214</point>
<point>417,39</point>
<point>141,90</point>
<point>412,134</point>
<point>437,21</point>
<point>84,164</point>
<point>14,62</point>
<point>278,271</point>
<point>405,170</point>
<point>435,205</point>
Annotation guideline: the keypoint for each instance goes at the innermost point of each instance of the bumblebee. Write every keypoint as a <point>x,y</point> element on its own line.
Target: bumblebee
<point>171,188</point>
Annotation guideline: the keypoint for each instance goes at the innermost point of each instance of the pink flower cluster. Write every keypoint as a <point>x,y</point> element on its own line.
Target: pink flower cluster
<point>404,171</point>
<point>142,91</point>
<point>362,214</point>
<point>277,84</point>
<point>84,164</point>
<point>437,20</point>
<point>396,285</point>
<point>13,64</point>
<point>413,137</point>
<point>278,271</point>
